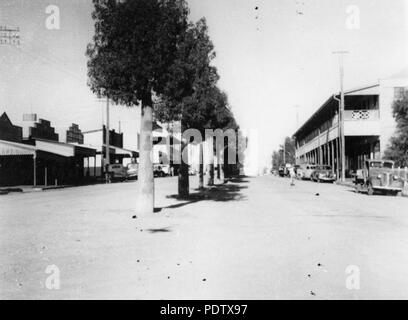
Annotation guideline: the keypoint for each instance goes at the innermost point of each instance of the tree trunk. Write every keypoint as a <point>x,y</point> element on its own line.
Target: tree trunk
<point>221,167</point>
<point>210,156</point>
<point>211,172</point>
<point>183,177</point>
<point>145,202</point>
<point>201,171</point>
<point>218,155</point>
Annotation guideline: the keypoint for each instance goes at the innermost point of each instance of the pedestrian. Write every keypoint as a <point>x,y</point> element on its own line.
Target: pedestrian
<point>292,175</point>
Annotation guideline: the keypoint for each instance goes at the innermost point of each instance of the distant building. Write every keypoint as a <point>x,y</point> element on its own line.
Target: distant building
<point>74,135</point>
<point>9,131</point>
<point>40,159</point>
<point>117,154</point>
<point>368,126</point>
<point>43,130</point>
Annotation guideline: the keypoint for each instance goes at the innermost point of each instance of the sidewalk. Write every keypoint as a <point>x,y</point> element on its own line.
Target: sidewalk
<point>27,189</point>
<point>347,183</point>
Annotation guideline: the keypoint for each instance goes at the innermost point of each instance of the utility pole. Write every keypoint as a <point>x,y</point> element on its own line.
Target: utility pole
<point>297,116</point>
<point>341,115</point>
<point>107,157</point>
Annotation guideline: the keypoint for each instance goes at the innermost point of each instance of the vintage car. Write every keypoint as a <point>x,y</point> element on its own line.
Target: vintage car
<point>132,170</point>
<point>323,173</point>
<point>117,171</point>
<point>305,171</point>
<point>282,171</point>
<point>378,176</point>
<point>161,170</point>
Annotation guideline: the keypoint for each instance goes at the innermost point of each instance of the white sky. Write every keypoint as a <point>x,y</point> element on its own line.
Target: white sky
<point>267,64</point>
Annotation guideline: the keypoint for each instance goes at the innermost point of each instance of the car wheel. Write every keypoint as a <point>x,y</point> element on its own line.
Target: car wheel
<point>370,189</point>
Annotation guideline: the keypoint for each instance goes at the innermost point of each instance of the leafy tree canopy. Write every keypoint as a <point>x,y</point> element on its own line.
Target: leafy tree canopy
<point>134,46</point>
<point>398,148</point>
<point>288,148</point>
<point>189,96</point>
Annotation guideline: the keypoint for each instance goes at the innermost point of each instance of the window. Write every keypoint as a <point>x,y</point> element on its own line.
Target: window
<point>388,165</point>
<point>375,164</point>
<point>379,164</point>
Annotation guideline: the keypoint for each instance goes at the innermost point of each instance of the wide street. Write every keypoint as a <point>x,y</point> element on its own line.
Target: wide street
<point>253,238</point>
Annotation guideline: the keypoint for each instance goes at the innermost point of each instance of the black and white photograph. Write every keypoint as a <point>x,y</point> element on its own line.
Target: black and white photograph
<point>203,150</point>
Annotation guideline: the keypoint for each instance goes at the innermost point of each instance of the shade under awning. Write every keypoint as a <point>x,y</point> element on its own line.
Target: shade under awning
<point>8,148</point>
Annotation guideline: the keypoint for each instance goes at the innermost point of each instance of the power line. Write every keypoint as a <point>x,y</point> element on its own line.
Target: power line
<point>49,62</point>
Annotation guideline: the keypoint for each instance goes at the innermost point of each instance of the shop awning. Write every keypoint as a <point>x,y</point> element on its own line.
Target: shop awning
<point>64,149</point>
<point>8,148</point>
<point>118,151</point>
<point>61,149</point>
<point>84,150</point>
<point>125,152</point>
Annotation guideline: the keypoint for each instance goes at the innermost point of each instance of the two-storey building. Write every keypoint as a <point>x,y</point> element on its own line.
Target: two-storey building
<point>368,126</point>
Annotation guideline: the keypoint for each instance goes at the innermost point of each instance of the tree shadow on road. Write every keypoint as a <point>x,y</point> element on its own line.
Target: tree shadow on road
<point>240,179</point>
<point>159,230</point>
<point>219,193</point>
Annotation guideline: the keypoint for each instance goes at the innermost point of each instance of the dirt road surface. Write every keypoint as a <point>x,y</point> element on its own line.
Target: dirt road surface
<point>253,238</point>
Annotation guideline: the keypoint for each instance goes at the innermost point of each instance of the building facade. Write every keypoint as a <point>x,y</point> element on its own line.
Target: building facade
<point>117,154</point>
<point>368,126</point>
<point>40,159</point>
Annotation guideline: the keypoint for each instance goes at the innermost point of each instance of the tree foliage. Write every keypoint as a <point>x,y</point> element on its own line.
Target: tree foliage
<point>188,97</point>
<point>276,160</point>
<point>134,46</point>
<point>288,148</point>
<point>398,147</point>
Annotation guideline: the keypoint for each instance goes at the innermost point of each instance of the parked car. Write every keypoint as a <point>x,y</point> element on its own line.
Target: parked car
<point>132,170</point>
<point>282,171</point>
<point>117,171</point>
<point>161,170</point>
<point>378,176</point>
<point>305,171</point>
<point>323,173</point>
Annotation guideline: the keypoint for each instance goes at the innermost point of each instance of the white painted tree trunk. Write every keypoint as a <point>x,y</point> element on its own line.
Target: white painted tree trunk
<point>145,203</point>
